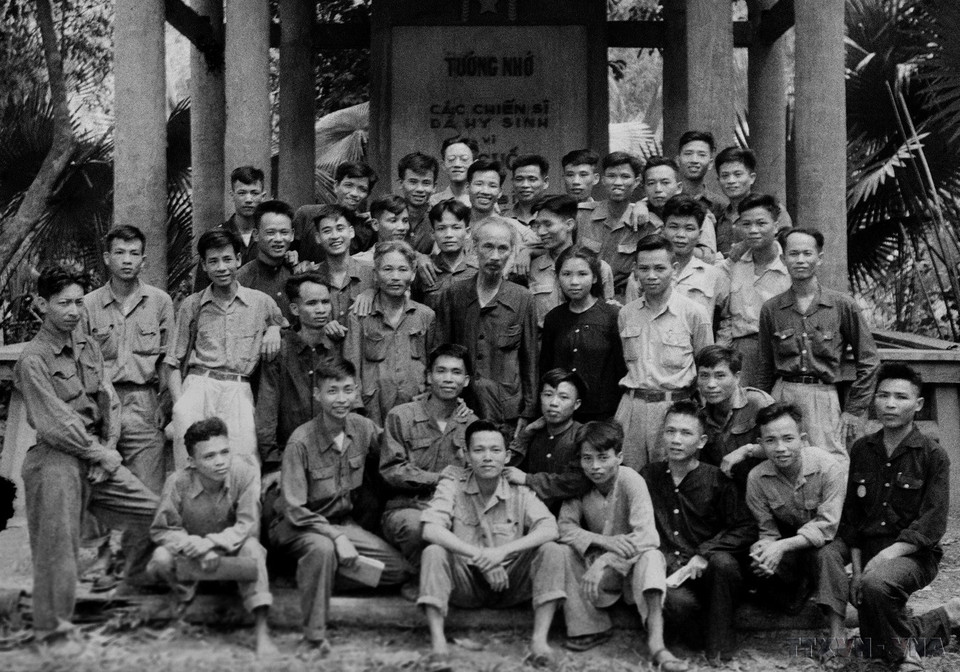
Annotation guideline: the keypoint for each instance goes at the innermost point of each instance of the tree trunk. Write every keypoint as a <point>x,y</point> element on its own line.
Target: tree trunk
<point>19,228</point>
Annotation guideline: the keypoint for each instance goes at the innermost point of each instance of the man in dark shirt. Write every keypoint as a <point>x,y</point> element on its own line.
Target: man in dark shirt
<point>74,464</point>
<point>705,530</point>
<point>268,273</point>
<point>893,519</point>
<point>546,457</point>
<point>496,320</point>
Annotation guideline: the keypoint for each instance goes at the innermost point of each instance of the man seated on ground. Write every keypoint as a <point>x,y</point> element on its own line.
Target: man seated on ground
<point>324,463</point>
<point>352,184</point>
<point>390,221</point>
<point>580,174</point>
<point>222,332</point>
<point>611,548</point>
<point>796,496</point>
<point>730,413</point>
<point>491,544</point>
<point>546,456</point>
<point>705,533</point>
<point>268,273</point>
<point>208,510</point>
<point>893,520</point>
<point>420,439</point>
<point>453,259</point>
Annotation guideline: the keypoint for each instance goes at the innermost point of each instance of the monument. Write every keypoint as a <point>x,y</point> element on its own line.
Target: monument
<point>517,76</point>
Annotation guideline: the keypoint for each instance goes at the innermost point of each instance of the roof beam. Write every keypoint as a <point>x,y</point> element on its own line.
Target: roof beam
<point>197,29</point>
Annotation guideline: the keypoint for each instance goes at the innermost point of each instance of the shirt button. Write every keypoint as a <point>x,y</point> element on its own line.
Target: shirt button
<point>676,510</point>
<point>576,331</point>
<point>676,489</point>
<point>574,369</point>
<point>575,349</point>
<point>675,533</point>
<point>886,485</point>
<point>549,455</point>
<point>888,464</point>
<point>676,552</point>
<point>883,524</point>
<point>884,503</point>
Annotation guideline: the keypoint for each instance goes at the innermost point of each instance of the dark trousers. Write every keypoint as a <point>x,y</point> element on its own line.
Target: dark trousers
<point>57,492</point>
<point>713,597</point>
<point>885,625</point>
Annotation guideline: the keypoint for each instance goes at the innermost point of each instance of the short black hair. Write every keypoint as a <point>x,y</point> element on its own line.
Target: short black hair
<point>292,287</point>
<point>127,233</point>
<point>418,163</point>
<point>459,210</point>
<point>658,161</point>
<point>483,165</point>
<point>203,430</point>
<point>601,435</point>
<point>54,278</point>
<point>340,369</point>
<point>711,356</point>
<point>391,203</point>
<point>694,136</point>
<point>684,205</point>
<point>563,206</point>
<point>581,157</point>
<point>654,242</point>
<point>457,140</point>
<point>454,350</point>
<point>554,377</point>
<point>334,211</point>
<point>357,170</point>
<point>736,155</point>
<point>807,231</point>
<point>690,409</point>
<point>216,238</point>
<point>273,207</point>
<point>531,160</point>
<point>246,175</point>
<point>478,426</point>
<point>578,251</point>
<point>899,371</point>
<point>766,201</point>
<point>777,410</point>
<point>614,159</point>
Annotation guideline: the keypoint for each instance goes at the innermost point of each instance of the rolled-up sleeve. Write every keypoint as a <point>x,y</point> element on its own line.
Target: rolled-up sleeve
<point>440,510</point>
<point>167,528</point>
<point>759,506</point>
<point>823,527</point>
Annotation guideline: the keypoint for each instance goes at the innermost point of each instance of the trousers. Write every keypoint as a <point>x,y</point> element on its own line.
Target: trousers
<point>641,421</point>
<point>231,401</point>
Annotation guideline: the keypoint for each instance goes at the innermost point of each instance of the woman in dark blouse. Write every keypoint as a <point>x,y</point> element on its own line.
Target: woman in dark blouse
<point>581,335</point>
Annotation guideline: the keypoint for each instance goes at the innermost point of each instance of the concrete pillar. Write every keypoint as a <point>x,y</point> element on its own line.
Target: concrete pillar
<point>207,124</point>
<point>247,88</point>
<point>767,114</point>
<point>297,109</point>
<point>140,137</point>
<point>698,71</point>
<point>821,130</point>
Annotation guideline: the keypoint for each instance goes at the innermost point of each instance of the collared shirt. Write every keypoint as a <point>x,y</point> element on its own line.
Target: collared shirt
<point>794,343</point>
<point>613,240</point>
<point>714,201</point>
<point>588,344</point>
<point>227,337</point>
<point>501,338</point>
<point>510,514</point>
<point>70,401</point>
<point>391,359</point>
<point>727,431</point>
<point>317,479</point>
<point>811,505</point>
<point>659,346</point>
<point>708,235</point>
<point>447,194</point>
<point>627,509</point>
<point>269,279</point>
<point>543,284</point>
<point>514,212</point>
<point>701,282</point>
<point>247,253</point>
<point>552,464</point>
<point>728,233</point>
<point>744,293</point>
<point>466,268</point>
<point>285,396</point>
<point>305,232</point>
<point>903,496</point>
<point>133,341</point>
<point>702,515</point>
<point>359,278</point>
<point>414,451</point>
<point>227,517</point>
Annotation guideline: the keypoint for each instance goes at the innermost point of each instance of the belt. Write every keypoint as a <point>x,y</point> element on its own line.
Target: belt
<point>803,380</point>
<point>747,337</point>
<point>217,375</point>
<point>660,395</point>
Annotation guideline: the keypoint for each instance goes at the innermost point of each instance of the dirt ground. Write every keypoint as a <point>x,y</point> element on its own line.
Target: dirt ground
<point>124,644</point>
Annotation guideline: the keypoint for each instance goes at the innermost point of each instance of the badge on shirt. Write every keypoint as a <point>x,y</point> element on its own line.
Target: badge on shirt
<point>861,490</point>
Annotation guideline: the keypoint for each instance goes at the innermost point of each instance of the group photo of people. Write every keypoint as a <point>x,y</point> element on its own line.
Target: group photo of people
<point>553,387</point>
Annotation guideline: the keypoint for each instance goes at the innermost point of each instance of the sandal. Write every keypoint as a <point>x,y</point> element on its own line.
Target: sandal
<point>587,642</point>
<point>669,664</point>
<point>540,661</point>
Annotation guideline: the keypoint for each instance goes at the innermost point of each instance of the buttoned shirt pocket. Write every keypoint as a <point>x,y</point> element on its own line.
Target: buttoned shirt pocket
<point>677,351</point>
<point>66,381</point>
<point>907,495</point>
<point>323,483</point>
<point>510,339</point>
<point>822,342</point>
<point>146,340</point>
<point>591,244</point>
<point>542,287</point>
<point>504,531</point>
<point>104,335</point>
<point>864,488</point>
<point>785,342</point>
<point>420,453</point>
<point>466,524</point>
<point>631,343</point>
<point>354,476</point>
<point>628,247</point>
<point>374,347</point>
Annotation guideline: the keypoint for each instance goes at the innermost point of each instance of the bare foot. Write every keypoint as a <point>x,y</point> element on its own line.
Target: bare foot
<point>441,648</point>
<point>266,648</point>
<point>541,649</point>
